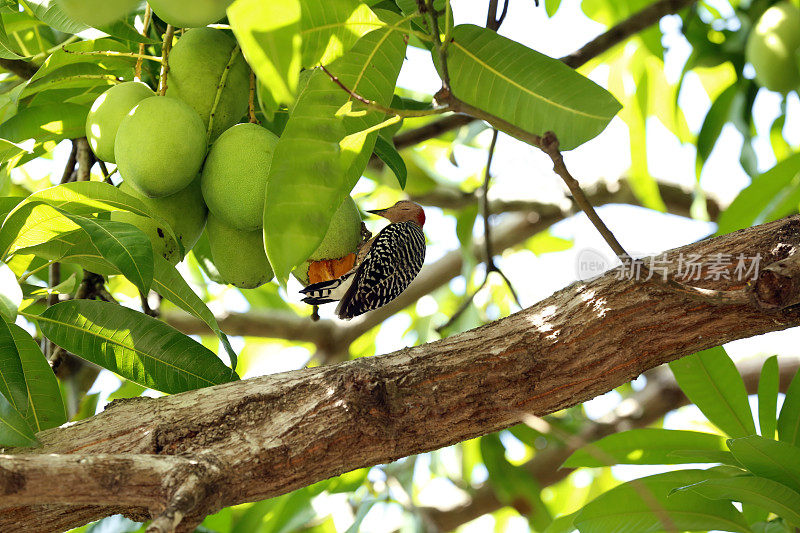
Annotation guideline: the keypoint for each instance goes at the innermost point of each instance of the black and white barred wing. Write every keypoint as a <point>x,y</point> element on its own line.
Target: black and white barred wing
<point>393,261</point>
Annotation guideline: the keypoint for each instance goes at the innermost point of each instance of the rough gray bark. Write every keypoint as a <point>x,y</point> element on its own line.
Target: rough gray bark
<point>262,437</point>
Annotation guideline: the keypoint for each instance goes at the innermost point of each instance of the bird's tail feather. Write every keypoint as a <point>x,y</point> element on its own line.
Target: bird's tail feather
<point>321,293</point>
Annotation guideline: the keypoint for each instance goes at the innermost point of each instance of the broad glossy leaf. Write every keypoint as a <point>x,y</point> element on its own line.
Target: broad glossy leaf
<point>12,378</point>
<point>768,385</point>
<point>643,505</point>
<point>710,380</point>
<point>168,282</point>
<point>717,116</point>
<point>648,446</point>
<point>389,155</point>
<point>6,50</point>
<point>76,75</point>
<point>88,197</point>
<point>49,12</point>
<point>46,122</point>
<point>329,28</point>
<point>750,205</point>
<point>789,419</point>
<point>123,245</point>
<point>530,90</point>
<point>768,458</point>
<point>9,150</point>
<point>551,6</point>
<point>316,163</point>
<point>14,431</point>
<point>10,294</point>
<point>763,492</point>
<point>32,225</point>
<point>133,345</point>
<point>45,406</point>
<point>269,34</point>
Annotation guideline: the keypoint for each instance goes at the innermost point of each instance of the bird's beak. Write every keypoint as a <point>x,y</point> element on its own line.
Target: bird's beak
<point>378,212</point>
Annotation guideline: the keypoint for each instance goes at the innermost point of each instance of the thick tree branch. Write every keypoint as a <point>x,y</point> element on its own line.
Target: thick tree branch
<point>20,67</point>
<point>273,434</point>
<point>661,395</point>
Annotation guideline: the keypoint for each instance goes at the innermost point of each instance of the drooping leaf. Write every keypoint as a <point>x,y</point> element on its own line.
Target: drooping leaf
<point>168,282</point>
<point>389,155</point>
<point>647,446</point>
<point>45,405</point>
<point>133,345</point>
<point>321,153</point>
<point>717,116</point>
<point>123,245</point>
<point>710,380</point>
<point>763,492</point>
<point>749,206</point>
<point>530,90</point>
<point>645,504</point>
<point>32,225</point>
<point>12,378</point>
<point>768,458</point>
<point>789,419</point>
<point>551,6</point>
<point>768,386</point>
<point>269,34</point>
<point>49,12</point>
<point>14,431</point>
<point>10,294</point>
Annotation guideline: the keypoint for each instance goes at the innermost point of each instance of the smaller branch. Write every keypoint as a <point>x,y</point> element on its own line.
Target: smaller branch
<point>70,166</point>
<point>148,16</point>
<point>85,159</point>
<point>218,96</point>
<point>493,22</point>
<point>251,103</point>
<point>146,308</point>
<point>426,9</point>
<point>549,145</point>
<point>20,67</point>
<point>372,104</point>
<point>167,46</point>
<point>185,499</point>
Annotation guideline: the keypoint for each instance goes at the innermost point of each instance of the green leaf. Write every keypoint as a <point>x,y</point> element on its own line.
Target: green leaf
<point>46,122</point>
<point>170,284</point>
<point>77,75</point>
<point>32,225</point>
<point>269,34</point>
<point>551,6</point>
<point>202,253</point>
<point>49,12</point>
<point>12,378</point>
<point>648,446</point>
<point>710,380</point>
<point>717,116</point>
<point>133,345</point>
<point>643,505</point>
<point>329,28</point>
<point>88,197</point>
<point>768,458</point>
<point>14,431</point>
<point>768,385</point>
<point>389,155</point>
<point>6,50</point>
<point>322,153</point>
<point>789,419</point>
<point>531,91</point>
<point>123,245</point>
<point>756,199</point>
<point>765,493</point>
<point>10,293</point>
<point>45,406</point>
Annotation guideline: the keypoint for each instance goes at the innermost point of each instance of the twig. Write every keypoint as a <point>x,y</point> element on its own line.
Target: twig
<point>222,81</point>
<point>372,104</point>
<point>167,46</point>
<point>493,22</point>
<point>70,166</point>
<point>148,16</point>
<point>20,67</point>
<point>487,243</point>
<point>429,12</point>
<point>146,308</point>
<point>549,145</point>
<point>251,103</point>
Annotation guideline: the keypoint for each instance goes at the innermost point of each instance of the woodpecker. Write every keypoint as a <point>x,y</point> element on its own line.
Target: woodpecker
<point>385,265</point>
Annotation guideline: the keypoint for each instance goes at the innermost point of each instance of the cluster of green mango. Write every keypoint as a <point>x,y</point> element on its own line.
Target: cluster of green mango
<point>773,48</point>
<point>187,156</point>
